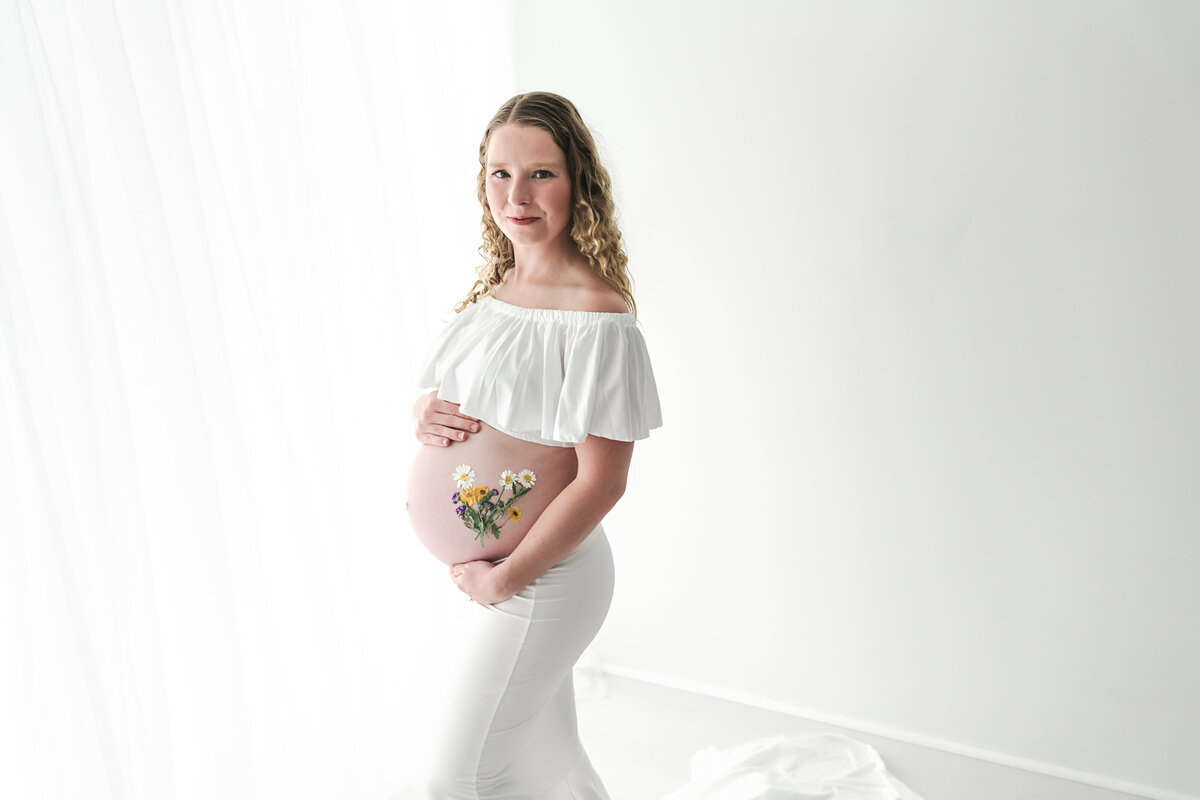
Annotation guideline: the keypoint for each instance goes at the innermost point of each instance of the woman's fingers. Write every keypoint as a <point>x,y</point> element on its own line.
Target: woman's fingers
<point>448,432</point>
<point>453,427</point>
<point>439,422</point>
<point>441,435</point>
<point>446,407</point>
<point>456,422</point>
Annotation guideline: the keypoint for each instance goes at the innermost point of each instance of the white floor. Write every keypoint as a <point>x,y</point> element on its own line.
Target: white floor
<point>641,737</point>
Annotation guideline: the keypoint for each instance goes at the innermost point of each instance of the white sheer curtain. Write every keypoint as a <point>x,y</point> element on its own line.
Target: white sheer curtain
<point>224,230</point>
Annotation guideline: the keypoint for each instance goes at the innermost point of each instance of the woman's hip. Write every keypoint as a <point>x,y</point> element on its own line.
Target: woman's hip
<point>578,588</point>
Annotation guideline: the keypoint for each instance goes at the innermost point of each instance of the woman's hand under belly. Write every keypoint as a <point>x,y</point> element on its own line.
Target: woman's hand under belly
<point>489,453</point>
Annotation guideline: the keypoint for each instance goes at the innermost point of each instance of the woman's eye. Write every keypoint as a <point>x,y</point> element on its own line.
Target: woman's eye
<point>543,173</point>
<point>499,174</point>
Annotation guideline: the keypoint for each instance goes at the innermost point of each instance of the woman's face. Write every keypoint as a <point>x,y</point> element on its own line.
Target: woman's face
<point>528,190</point>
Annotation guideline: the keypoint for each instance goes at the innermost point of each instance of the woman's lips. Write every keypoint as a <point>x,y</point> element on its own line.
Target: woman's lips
<point>523,220</point>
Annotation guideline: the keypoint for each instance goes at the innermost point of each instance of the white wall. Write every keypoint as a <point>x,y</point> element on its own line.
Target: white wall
<point>920,284</point>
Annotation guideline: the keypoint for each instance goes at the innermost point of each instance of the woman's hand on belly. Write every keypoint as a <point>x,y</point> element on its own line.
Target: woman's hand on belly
<point>438,422</point>
<point>474,578</point>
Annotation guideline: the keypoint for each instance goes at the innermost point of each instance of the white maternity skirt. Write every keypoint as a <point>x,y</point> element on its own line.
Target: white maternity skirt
<point>509,729</point>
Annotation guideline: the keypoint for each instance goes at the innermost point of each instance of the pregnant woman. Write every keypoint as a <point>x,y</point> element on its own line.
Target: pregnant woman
<point>542,383</point>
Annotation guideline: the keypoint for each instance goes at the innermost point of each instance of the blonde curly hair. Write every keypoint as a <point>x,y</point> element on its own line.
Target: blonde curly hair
<point>593,225</point>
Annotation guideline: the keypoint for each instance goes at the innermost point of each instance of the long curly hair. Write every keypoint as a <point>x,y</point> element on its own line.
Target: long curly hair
<point>593,217</point>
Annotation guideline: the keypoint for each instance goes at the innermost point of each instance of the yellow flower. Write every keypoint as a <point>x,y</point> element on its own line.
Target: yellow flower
<point>514,513</point>
<point>481,492</point>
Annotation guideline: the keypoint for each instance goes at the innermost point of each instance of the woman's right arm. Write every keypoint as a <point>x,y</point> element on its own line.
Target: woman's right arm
<point>437,422</point>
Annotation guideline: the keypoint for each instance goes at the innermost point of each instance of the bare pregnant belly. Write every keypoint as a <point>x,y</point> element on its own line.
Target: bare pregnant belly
<point>431,486</point>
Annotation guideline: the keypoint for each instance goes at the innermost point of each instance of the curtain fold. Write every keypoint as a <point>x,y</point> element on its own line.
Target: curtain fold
<point>225,233</point>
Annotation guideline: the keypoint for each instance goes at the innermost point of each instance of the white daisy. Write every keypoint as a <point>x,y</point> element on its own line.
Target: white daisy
<point>508,479</point>
<point>527,478</point>
<point>464,476</point>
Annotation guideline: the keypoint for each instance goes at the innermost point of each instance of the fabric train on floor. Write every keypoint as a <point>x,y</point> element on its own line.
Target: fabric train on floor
<point>815,767</point>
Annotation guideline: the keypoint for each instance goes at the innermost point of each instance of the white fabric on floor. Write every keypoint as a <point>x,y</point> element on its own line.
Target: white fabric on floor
<point>813,767</point>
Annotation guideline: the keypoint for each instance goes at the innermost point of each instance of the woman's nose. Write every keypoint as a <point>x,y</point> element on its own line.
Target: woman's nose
<point>518,192</point>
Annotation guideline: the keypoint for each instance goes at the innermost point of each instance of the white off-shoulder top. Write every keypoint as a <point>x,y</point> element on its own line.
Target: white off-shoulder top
<point>546,375</point>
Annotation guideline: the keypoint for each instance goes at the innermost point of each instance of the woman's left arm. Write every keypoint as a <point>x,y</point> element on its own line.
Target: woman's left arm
<point>570,517</point>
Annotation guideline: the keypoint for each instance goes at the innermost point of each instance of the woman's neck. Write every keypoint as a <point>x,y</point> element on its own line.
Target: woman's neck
<point>547,264</point>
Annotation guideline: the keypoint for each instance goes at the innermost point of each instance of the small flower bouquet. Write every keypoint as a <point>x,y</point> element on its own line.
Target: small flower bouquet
<point>483,509</point>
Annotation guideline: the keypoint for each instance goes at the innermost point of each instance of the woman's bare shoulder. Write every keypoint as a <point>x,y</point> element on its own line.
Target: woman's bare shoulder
<point>601,298</point>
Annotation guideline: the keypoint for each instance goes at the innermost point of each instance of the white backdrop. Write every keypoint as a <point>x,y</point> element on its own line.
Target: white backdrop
<point>223,230</point>
<point>920,283</point>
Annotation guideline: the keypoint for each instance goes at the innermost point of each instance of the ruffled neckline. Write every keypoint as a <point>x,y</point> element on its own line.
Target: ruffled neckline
<point>524,312</point>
